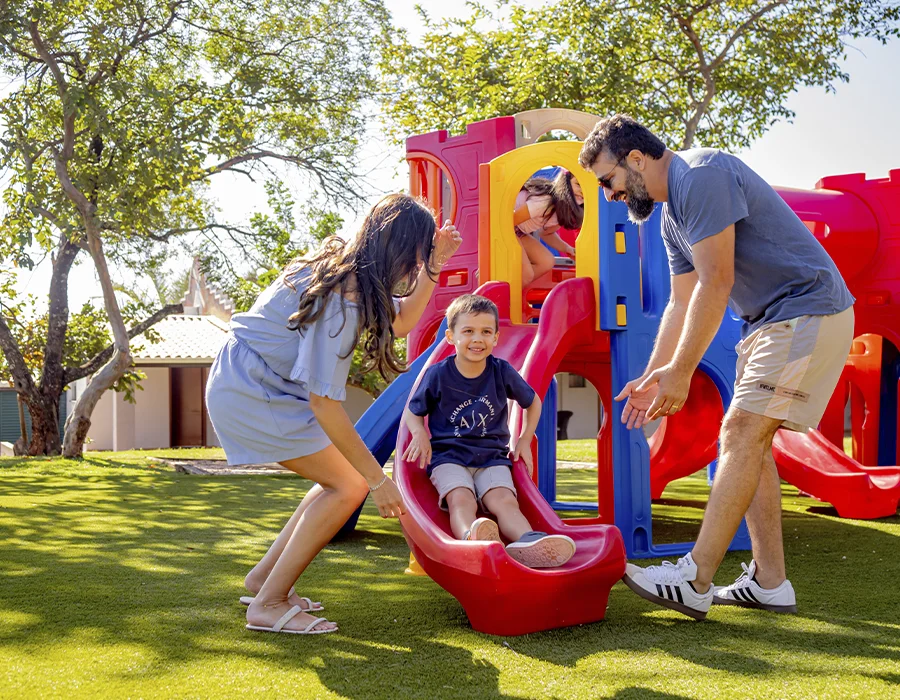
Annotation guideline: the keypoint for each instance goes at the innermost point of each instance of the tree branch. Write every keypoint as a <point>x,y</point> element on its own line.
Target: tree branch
<point>164,237</point>
<point>19,52</point>
<point>74,373</point>
<point>22,379</point>
<point>63,88</point>
<point>739,32</point>
<point>254,155</point>
<point>58,317</point>
<point>76,195</point>
<point>141,36</point>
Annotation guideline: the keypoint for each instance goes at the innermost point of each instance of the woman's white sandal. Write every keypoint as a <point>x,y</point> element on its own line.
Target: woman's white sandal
<point>287,617</point>
<point>311,606</point>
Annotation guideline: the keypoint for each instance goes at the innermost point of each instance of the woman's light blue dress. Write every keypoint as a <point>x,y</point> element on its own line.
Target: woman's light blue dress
<point>258,390</point>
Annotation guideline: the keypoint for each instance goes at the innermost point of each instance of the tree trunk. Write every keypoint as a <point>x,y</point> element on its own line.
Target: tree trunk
<point>79,421</point>
<point>45,438</point>
<point>23,429</point>
<point>20,447</point>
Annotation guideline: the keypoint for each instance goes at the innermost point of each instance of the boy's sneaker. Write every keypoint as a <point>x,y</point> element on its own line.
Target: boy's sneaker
<point>747,593</point>
<point>538,550</point>
<point>483,530</point>
<point>669,585</point>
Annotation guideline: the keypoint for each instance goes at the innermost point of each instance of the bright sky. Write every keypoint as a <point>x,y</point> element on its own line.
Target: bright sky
<point>852,130</point>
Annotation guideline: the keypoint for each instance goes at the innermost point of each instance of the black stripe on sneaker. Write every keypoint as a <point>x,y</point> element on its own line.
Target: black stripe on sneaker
<point>744,595</point>
<point>735,594</point>
<point>659,590</point>
<point>669,593</point>
<point>678,593</point>
<point>750,593</point>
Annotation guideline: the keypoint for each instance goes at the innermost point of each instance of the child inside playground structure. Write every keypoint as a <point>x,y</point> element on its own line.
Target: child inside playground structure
<point>544,206</point>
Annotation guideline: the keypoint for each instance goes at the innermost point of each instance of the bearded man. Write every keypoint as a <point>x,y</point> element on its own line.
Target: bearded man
<point>731,240</point>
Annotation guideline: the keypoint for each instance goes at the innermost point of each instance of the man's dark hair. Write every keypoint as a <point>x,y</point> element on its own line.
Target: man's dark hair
<point>618,135</point>
<point>471,304</point>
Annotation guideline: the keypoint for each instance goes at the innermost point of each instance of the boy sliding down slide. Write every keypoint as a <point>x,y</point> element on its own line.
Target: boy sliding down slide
<point>465,398</point>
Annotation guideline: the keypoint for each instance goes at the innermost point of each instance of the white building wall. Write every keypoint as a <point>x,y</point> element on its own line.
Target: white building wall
<point>152,410</point>
<point>123,422</point>
<point>118,425</point>
<point>583,402</point>
<point>100,434</point>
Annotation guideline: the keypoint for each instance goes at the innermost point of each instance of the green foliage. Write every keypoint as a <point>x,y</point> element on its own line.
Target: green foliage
<point>115,115</point>
<point>714,74</point>
<point>279,238</point>
<point>86,336</point>
<point>162,96</point>
<point>275,239</point>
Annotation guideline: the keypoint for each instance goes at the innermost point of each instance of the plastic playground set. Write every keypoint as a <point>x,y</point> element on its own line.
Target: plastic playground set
<point>598,319</point>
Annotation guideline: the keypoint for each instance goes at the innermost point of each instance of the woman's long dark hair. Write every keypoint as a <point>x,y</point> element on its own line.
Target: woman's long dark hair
<point>395,239</point>
<point>569,213</point>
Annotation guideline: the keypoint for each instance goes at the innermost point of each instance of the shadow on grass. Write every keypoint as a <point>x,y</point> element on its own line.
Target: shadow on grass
<point>155,560</point>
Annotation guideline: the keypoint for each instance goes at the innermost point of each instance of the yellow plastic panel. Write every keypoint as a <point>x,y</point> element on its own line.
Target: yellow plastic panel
<point>621,315</point>
<point>507,174</point>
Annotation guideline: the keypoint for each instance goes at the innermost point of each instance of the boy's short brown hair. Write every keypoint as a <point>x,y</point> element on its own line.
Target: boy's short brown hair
<point>471,304</point>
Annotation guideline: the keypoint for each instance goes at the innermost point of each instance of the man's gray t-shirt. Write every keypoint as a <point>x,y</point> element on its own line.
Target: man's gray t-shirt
<point>780,270</point>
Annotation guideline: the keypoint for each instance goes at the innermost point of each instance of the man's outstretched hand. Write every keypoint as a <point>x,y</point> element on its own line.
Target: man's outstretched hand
<point>656,395</point>
<point>634,414</point>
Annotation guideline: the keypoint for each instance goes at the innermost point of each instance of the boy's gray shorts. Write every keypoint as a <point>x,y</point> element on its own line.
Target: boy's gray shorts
<point>479,480</point>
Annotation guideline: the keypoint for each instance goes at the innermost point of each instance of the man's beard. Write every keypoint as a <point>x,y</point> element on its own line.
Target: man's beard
<point>640,203</point>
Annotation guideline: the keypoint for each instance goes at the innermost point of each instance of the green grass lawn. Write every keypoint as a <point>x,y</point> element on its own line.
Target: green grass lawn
<point>119,578</point>
<point>577,450</point>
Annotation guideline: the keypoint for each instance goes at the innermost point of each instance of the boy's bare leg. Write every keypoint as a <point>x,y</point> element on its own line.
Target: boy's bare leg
<point>502,502</point>
<point>463,508</point>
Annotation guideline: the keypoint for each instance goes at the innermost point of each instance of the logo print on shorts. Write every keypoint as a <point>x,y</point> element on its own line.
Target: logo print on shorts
<point>784,392</point>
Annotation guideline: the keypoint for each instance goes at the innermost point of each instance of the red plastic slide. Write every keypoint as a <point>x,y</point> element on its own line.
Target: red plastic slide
<point>818,467</point>
<point>499,595</point>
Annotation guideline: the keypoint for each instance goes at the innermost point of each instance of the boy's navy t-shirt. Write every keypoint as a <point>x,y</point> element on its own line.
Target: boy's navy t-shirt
<point>468,418</point>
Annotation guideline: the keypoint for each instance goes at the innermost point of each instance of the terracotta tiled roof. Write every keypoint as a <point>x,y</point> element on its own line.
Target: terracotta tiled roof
<point>184,337</point>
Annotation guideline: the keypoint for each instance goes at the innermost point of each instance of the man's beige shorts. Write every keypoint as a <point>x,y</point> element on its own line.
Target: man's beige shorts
<point>479,480</point>
<point>788,370</point>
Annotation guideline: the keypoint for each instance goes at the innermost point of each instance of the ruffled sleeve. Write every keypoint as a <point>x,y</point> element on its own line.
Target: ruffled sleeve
<point>325,353</point>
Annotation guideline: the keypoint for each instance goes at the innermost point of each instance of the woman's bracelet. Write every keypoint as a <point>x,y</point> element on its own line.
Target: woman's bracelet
<point>379,484</point>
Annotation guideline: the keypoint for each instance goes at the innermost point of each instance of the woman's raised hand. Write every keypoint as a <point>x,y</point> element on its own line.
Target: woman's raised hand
<point>446,242</point>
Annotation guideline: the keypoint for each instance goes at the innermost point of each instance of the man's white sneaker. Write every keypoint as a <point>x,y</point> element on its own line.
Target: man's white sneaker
<point>669,585</point>
<point>747,593</point>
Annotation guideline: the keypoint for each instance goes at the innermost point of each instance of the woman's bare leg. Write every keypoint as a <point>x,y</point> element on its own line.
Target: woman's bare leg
<point>320,517</point>
<point>259,573</point>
